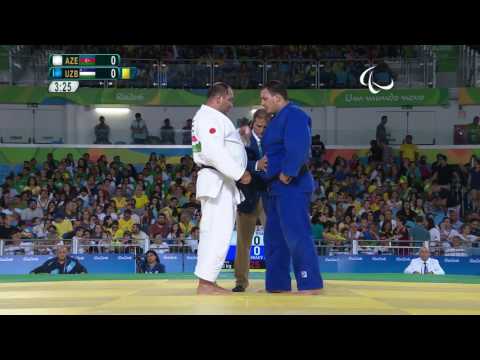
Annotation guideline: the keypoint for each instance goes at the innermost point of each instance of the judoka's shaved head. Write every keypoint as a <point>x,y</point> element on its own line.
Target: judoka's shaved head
<point>218,89</point>
<point>220,97</point>
<point>273,96</point>
<point>275,87</point>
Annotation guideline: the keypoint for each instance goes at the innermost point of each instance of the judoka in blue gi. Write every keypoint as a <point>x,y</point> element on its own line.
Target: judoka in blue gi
<point>286,144</point>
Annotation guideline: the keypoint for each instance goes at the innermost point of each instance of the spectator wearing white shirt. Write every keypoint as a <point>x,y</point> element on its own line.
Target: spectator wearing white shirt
<point>455,248</point>
<point>139,236</point>
<point>435,241</point>
<point>424,264</point>
<point>389,217</point>
<point>38,228</point>
<point>44,199</point>
<point>159,245</point>
<point>139,130</point>
<point>447,232</point>
<point>31,212</point>
<point>454,220</point>
<point>466,234</point>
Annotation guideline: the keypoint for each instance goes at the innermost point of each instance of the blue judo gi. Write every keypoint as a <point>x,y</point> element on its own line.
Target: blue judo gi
<point>286,143</point>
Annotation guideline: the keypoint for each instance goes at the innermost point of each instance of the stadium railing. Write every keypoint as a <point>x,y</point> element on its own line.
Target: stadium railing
<point>394,247</point>
<point>469,66</point>
<point>188,246</point>
<point>241,73</point>
<point>84,246</point>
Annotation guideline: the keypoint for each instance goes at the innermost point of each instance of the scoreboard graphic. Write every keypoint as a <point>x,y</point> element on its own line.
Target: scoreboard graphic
<point>67,70</point>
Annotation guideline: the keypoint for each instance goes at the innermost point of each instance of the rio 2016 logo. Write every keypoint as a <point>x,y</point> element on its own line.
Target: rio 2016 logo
<point>372,85</point>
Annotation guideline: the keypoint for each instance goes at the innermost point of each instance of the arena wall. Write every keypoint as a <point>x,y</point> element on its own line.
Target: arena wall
<point>338,126</point>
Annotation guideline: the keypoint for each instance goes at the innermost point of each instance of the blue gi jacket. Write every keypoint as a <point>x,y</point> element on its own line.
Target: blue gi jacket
<point>287,145</point>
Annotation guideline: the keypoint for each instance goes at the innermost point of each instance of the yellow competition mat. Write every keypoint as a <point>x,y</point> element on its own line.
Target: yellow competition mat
<point>177,296</point>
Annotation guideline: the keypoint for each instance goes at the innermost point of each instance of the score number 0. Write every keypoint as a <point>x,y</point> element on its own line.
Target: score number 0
<point>113,72</point>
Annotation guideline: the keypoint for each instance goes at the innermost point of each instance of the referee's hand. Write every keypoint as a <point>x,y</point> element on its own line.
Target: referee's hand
<point>285,178</point>
<point>246,178</point>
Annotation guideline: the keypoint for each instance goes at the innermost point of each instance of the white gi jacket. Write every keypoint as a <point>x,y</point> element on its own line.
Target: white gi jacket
<point>216,143</point>
<point>417,265</point>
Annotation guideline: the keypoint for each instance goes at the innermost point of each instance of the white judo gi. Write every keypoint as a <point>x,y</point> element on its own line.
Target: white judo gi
<point>216,143</point>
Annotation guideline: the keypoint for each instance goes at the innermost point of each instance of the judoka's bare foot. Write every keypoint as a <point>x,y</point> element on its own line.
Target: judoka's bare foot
<point>222,290</point>
<point>209,288</point>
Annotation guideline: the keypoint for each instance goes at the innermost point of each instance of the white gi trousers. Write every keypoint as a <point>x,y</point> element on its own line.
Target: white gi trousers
<point>216,227</point>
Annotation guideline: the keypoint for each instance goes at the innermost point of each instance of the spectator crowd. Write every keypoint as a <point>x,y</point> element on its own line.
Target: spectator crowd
<point>113,206</point>
<point>400,201</point>
<point>104,206</point>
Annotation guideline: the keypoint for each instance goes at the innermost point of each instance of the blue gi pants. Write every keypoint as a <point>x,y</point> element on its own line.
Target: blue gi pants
<point>288,239</point>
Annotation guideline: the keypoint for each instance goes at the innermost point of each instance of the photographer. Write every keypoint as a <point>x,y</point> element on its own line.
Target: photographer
<point>151,264</point>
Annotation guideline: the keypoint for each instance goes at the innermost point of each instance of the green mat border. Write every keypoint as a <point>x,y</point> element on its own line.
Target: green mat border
<point>228,275</point>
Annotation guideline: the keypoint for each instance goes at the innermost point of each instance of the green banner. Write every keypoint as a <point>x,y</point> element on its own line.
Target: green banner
<point>174,97</point>
<point>395,98</point>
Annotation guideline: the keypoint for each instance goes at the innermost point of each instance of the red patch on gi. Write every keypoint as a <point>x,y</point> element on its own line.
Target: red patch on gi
<point>194,138</point>
<point>213,131</point>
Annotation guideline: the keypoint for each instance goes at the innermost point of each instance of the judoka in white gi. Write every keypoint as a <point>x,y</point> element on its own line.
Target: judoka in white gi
<point>218,148</point>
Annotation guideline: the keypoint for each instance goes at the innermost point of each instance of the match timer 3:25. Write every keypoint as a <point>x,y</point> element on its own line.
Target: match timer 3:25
<point>63,86</point>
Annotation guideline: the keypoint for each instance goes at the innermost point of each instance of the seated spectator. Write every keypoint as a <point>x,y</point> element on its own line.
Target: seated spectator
<point>454,220</point>
<point>455,247</point>
<point>466,234</point>
<point>408,150</point>
<point>435,240</point>
<point>424,264</point>
<point>62,225</point>
<point>79,238</point>
<point>32,212</point>
<point>139,130</point>
<point>159,244</point>
<point>185,225</point>
<point>61,264</point>
<point>192,239</point>
<point>159,227</point>
<point>38,228</point>
<point>174,235</point>
<point>102,132</point>
<point>52,233</point>
<point>167,133</point>
<point>419,233</point>
<point>141,200</point>
<point>126,222</point>
<point>119,199</point>
<point>33,186</point>
<point>151,264</point>
<point>187,133</point>
<point>139,236</point>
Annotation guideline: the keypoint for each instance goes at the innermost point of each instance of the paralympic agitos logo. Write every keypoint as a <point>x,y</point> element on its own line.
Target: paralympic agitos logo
<point>372,85</point>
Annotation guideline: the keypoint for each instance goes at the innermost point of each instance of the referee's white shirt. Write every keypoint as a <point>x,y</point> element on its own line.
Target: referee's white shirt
<point>417,265</point>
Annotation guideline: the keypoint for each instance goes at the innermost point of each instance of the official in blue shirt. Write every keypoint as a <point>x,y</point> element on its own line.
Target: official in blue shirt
<point>252,208</point>
<point>60,264</point>
<point>286,144</point>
